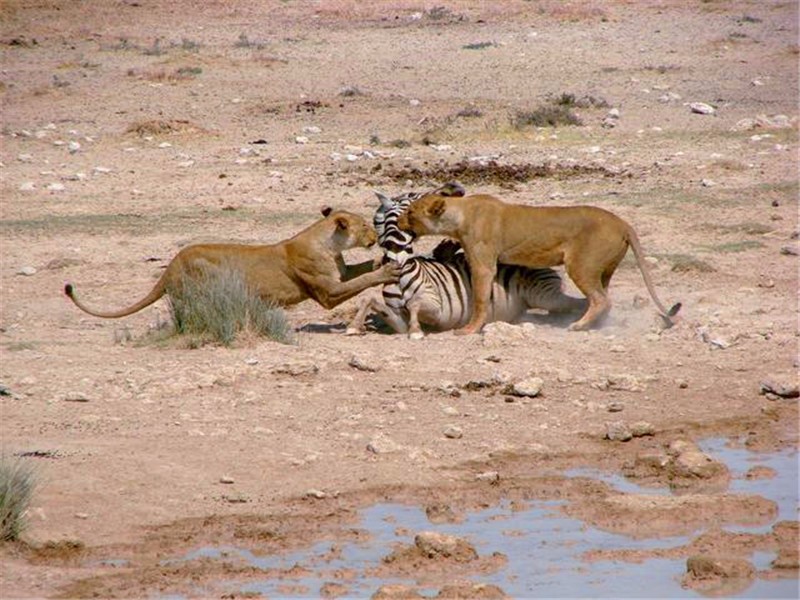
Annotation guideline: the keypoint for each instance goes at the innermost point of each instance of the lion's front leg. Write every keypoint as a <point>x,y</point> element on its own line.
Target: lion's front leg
<point>482,278</point>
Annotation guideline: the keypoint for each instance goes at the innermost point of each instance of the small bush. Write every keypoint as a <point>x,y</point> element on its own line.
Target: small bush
<point>545,116</point>
<point>218,307</point>
<point>17,482</point>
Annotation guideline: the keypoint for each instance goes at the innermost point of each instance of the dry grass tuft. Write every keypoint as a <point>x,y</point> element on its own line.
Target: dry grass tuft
<point>219,308</point>
<point>157,127</point>
<point>17,482</point>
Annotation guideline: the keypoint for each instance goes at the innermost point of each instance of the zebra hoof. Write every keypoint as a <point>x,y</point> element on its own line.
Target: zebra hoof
<point>353,331</point>
<point>417,335</point>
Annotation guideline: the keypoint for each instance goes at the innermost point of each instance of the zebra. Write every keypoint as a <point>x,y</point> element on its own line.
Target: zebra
<point>436,290</point>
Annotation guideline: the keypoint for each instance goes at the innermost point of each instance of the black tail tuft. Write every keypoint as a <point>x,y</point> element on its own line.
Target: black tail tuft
<point>674,310</point>
<point>68,289</point>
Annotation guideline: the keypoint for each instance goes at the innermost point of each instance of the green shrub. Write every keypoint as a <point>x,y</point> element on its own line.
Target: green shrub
<point>219,307</point>
<point>17,482</point>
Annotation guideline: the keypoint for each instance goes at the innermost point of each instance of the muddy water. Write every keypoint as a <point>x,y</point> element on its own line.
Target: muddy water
<point>544,548</point>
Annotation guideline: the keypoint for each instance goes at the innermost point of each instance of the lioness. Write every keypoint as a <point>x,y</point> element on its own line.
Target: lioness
<point>308,265</point>
<point>590,242</point>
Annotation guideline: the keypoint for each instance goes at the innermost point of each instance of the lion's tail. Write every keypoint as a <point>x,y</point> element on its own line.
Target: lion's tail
<point>157,292</point>
<point>667,315</point>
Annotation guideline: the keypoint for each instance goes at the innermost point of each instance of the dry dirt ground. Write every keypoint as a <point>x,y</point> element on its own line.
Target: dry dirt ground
<point>130,128</point>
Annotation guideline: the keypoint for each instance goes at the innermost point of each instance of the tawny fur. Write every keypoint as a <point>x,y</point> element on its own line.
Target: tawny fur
<point>589,241</point>
<point>307,266</point>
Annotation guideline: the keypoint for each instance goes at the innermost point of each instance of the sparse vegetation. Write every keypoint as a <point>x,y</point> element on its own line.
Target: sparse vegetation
<point>17,483</point>
<point>479,46</point>
<point>681,263</point>
<point>742,246</point>
<point>545,116</point>
<point>585,101</point>
<point>219,308</point>
<point>245,42</point>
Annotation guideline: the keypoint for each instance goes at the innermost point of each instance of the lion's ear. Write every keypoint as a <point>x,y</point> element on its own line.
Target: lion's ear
<point>326,210</point>
<point>341,223</point>
<point>437,207</point>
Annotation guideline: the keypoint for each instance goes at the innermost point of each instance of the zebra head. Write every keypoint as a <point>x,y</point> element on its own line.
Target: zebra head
<point>396,244</point>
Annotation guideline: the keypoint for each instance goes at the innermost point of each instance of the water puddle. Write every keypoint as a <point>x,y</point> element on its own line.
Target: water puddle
<point>544,548</point>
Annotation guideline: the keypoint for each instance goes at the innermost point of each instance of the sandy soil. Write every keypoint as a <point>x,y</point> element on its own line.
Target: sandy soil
<point>132,438</point>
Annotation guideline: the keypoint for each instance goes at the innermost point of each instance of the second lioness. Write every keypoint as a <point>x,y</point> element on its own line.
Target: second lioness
<point>308,265</point>
<point>589,241</point>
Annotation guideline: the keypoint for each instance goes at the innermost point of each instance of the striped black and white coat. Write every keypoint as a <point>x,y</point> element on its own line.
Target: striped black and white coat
<point>436,292</point>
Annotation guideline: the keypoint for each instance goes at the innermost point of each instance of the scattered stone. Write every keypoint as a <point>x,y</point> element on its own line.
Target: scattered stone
<point>27,186</point>
<point>530,387</point>
<point>55,187</point>
<point>361,365</point>
<point>434,545</point>
<point>382,444</point>
<point>775,390</point>
<point>349,91</point>
<point>441,513</point>
<point>251,361</point>
<point>614,407</point>
<point>492,477</point>
<point>701,108</point>
<point>669,97</point>
<point>26,271</point>
<point>317,494</point>
<point>297,369</point>
<point>25,157</point>
<point>312,129</point>
<point>75,397</point>
<point>620,381</point>
<point>708,183</point>
<point>73,147</point>
<point>301,139</point>
<point>790,250</point>
<point>451,411</point>
<point>642,429</point>
<point>226,480</point>
<point>101,170</point>
<point>618,431</point>
<point>81,515</point>
<point>453,432</point>
<point>689,461</point>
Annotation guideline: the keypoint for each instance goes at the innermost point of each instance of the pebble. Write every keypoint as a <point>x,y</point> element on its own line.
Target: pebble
<point>613,407</point>
<point>433,543</point>
<point>488,476</point>
<point>642,429</point>
<point>75,397</point>
<point>25,157</point>
<point>362,365</point>
<point>382,444</point>
<point>101,170</point>
<point>708,183</point>
<point>790,250</point>
<point>451,411</point>
<point>618,431</point>
<point>312,129</point>
<point>318,494</point>
<point>81,515</point>
<point>26,271</point>
<point>702,108</point>
<point>73,147</point>
<point>251,361</point>
<point>301,139</point>
<point>453,432</point>
<point>27,186</point>
<point>226,480</point>
<point>55,187</point>
<point>530,387</point>
<point>774,390</point>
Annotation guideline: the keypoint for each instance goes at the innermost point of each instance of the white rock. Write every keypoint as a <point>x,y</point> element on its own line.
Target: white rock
<point>73,147</point>
<point>55,187</point>
<point>414,102</point>
<point>530,387</point>
<point>25,157</point>
<point>27,186</point>
<point>351,157</point>
<point>26,271</point>
<point>301,139</point>
<point>702,108</point>
<point>312,129</point>
<point>101,170</point>
<point>453,432</point>
<point>186,164</point>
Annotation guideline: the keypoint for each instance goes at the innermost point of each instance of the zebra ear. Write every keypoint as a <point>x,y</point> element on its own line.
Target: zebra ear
<point>437,207</point>
<point>386,202</point>
<point>326,210</point>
